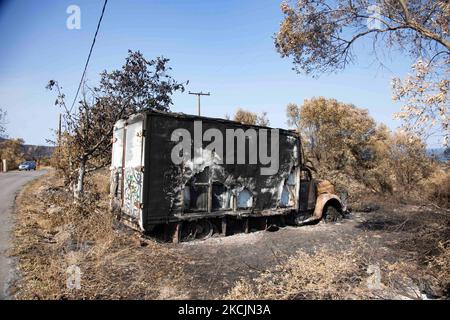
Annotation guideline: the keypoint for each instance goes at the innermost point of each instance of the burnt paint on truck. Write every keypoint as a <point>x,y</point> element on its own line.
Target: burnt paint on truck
<point>150,189</point>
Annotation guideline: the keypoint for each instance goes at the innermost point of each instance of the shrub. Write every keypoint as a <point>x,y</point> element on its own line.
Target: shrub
<point>11,150</point>
<point>437,186</point>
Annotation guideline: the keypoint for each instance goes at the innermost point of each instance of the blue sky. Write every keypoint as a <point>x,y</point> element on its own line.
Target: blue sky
<point>225,47</point>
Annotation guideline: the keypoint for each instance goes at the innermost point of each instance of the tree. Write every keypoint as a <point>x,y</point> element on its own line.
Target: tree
<point>12,151</point>
<point>408,159</point>
<point>343,141</point>
<point>2,123</point>
<point>140,85</point>
<point>262,120</point>
<point>252,118</point>
<point>400,163</point>
<point>425,97</point>
<point>62,158</point>
<point>335,135</point>
<point>320,35</point>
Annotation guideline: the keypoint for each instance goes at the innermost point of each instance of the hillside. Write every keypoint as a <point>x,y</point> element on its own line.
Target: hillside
<point>35,152</point>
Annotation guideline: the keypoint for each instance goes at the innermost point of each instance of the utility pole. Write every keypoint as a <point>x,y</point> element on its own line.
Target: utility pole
<point>198,94</point>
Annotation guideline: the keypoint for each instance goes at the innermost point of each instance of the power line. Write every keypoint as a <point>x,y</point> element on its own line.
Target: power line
<point>89,56</point>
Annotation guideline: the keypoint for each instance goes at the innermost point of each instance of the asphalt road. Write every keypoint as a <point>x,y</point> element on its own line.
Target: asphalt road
<point>10,184</point>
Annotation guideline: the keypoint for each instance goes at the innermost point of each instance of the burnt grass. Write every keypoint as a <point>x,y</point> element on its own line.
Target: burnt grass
<point>392,234</point>
<point>118,263</point>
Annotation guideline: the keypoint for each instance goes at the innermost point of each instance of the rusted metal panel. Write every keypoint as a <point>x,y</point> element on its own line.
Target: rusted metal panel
<point>322,201</point>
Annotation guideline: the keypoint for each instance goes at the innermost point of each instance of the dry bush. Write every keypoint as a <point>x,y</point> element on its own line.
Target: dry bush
<point>324,274</point>
<point>440,267</point>
<point>407,158</point>
<point>53,233</point>
<point>437,187</point>
<point>410,280</point>
<point>11,150</point>
<point>336,135</point>
<point>346,146</point>
<point>252,118</point>
<point>422,237</point>
<point>62,158</point>
<point>100,182</point>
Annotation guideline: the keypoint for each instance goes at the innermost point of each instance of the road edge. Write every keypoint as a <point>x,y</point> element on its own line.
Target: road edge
<point>14,272</point>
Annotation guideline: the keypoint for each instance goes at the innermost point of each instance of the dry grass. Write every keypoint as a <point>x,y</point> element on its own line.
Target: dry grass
<point>323,274</point>
<point>423,238</point>
<point>440,267</point>
<point>418,267</point>
<point>53,233</point>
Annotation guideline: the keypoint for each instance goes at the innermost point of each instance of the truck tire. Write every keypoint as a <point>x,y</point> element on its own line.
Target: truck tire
<point>197,230</point>
<point>332,214</point>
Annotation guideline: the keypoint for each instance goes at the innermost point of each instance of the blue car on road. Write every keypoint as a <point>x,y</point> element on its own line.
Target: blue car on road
<point>27,165</point>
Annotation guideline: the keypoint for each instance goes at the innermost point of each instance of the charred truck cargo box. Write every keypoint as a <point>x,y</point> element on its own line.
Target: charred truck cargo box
<point>184,177</point>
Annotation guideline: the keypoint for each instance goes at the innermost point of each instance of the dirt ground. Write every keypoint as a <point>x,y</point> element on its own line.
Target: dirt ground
<point>129,266</point>
<point>217,263</point>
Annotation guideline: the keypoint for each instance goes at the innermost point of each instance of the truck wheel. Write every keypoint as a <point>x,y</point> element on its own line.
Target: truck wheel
<point>331,214</point>
<point>198,230</point>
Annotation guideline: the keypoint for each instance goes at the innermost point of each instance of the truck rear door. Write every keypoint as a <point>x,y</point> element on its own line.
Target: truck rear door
<point>133,176</point>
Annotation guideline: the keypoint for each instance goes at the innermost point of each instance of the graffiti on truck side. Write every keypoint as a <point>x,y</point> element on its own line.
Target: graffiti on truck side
<point>132,191</point>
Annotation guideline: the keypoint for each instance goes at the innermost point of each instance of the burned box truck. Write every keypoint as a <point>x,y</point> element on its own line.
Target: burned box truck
<point>186,177</point>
